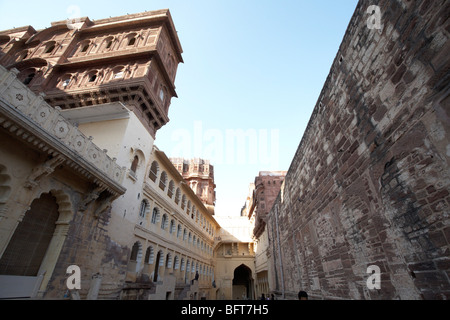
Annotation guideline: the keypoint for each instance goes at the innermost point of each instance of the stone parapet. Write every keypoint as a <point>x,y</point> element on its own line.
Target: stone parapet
<point>29,117</point>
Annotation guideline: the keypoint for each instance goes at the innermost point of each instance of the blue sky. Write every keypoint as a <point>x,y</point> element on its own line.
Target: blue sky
<point>253,70</point>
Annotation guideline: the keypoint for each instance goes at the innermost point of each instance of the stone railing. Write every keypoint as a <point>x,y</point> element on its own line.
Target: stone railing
<point>32,110</point>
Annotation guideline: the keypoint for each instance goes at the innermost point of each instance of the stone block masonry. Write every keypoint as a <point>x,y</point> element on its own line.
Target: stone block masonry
<point>369,183</point>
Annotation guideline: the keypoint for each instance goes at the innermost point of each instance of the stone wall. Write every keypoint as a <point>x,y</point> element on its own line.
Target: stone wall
<point>369,183</point>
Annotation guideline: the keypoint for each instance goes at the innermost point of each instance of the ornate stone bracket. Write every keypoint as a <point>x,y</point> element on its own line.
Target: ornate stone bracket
<point>43,170</point>
<point>93,195</point>
<point>103,207</point>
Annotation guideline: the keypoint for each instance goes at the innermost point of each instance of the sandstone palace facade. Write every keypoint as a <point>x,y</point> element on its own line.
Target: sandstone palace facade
<point>81,180</point>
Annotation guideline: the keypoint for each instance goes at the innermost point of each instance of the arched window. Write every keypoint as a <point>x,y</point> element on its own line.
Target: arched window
<point>193,240</point>
<point>22,55</point>
<point>190,238</point>
<point>176,263</point>
<point>172,226</point>
<point>177,195</point>
<point>50,47</point>
<point>154,171</point>
<point>149,255</point>
<point>118,74</point>
<point>85,47</point>
<point>188,210</point>
<point>164,222</point>
<point>65,82</point>
<point>143,209</point>
<point>92,76</point>
<point>134,165</point>
<point>182,264</point>
<point>184,234</point>
<point>179,231</point>
<point>135,251</point>
<point>163,181</point>
<point>155,215</point>
<point>29,78</point>
<point>170,189</point>
<point>107,43</point>
<point>169,261</point>
<point>132,41</point>
<point>183,201</point>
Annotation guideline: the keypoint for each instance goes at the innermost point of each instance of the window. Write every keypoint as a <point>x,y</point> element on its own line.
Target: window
<point>188,210</point>
<point>172,226</point>
<point>177,196</point>
<point>155,215</point>
<point>85,48</point>
<point>184,234</point>
<point>143,209</point>
<point>132,41</point>
<point>176,263</point>
<point>118,75</point>
<point>134,165</point>
<point>179,231</point>
<point>183,201</point>
<point>149,255</point>
<point>66,83</point>
<point>93,77</point>
<point>50,47</point>
<point>153,171</point>
<point>164,222</point>
<point>135,251</point>
<point>170,190</point>
<point>22,56</point>
<point>169,261</point>
<point>29,78</point>
<point>109,44</point>
<point>163,181</point>
<point>161,94</point>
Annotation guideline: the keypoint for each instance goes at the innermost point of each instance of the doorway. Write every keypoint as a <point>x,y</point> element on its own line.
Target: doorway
<point>158,259</point>
<point>242,283</point>
<point>26,249</point>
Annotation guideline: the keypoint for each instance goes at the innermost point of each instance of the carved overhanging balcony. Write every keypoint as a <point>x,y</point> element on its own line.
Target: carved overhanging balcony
<point>31,119</point>
<point>135,93</point>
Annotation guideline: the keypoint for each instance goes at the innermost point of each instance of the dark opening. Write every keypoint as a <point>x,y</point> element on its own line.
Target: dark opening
<point>29,78</point>
<point>29,243</point>
<point>132,41</point>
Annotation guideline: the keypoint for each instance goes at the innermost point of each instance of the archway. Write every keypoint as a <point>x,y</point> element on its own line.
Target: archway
<point>242,283</point>
<point>157,263</point>
<point>26,249</point>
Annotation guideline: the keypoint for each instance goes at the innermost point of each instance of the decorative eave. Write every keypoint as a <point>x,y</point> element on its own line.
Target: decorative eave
<point>32,120</point>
